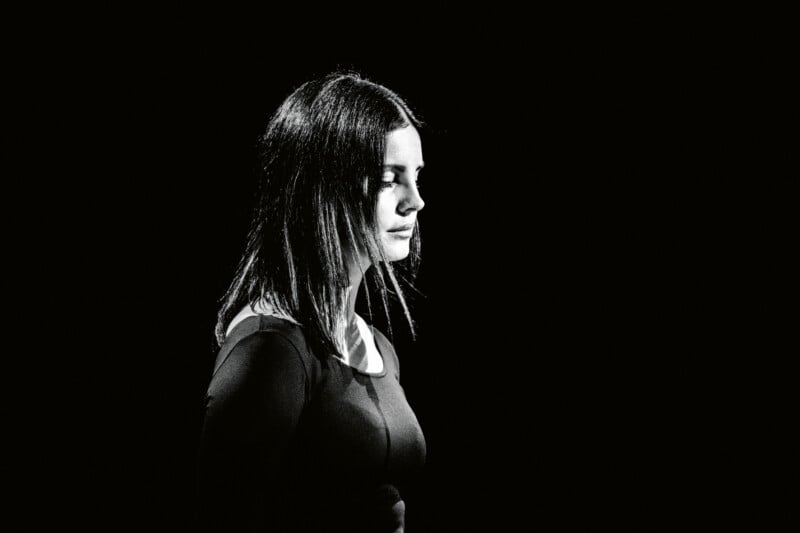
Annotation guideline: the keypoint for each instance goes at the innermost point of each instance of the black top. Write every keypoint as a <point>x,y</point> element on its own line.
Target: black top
<point>297,442</point>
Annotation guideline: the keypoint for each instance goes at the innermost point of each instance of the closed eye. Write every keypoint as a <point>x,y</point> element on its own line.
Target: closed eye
<point>393,175</point>
<point>391,179</point>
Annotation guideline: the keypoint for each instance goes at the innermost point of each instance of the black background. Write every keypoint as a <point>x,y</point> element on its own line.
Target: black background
<point>584,246</point>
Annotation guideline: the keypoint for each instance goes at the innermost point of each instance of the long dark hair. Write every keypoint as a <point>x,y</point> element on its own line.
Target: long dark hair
<point>320,165</point>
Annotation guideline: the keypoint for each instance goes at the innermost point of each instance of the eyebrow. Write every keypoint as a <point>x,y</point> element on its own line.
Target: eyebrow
<point>402,168</point>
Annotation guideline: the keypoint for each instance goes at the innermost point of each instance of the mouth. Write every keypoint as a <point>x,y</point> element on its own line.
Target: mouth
<point>402,232</point>
<point>402,229</point>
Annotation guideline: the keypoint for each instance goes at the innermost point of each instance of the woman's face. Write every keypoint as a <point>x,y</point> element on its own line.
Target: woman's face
<point>399,199</point>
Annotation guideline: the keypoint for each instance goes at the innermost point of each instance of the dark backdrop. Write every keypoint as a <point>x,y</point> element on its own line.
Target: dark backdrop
<point>576,215</point>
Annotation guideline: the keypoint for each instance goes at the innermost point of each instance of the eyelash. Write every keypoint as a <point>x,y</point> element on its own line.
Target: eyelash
<point>387,184</point>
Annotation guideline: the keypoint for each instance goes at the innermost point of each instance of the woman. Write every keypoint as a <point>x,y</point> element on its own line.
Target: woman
<point>306,425</point>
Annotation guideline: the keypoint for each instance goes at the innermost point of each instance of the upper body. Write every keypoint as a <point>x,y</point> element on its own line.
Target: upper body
<point>297,442</point>
<point>306,425</point>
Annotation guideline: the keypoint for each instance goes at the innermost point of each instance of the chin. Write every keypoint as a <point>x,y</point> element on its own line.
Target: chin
<point>396,251</point>
<point>398,256</point>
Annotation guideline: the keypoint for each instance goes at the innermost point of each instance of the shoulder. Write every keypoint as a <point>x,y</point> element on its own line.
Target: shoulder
<point>261,376</point>
<point>264,342</point>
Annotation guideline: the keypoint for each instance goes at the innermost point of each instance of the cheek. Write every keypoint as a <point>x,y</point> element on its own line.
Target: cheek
<point>385,208</point>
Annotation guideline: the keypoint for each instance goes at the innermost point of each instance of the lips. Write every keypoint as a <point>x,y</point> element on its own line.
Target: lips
<point>402,228</point>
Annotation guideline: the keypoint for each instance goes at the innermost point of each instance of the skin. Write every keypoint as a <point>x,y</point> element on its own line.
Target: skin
<point>399,200</point>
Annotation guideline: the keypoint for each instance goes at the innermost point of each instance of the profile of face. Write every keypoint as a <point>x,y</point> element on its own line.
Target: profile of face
<point>399,200</point>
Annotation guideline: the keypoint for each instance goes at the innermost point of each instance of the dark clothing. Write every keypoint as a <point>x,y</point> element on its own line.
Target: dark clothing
<point>297,442</point>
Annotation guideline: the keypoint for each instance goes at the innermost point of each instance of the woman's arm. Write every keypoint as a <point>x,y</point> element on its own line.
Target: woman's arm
<point>253,406</point>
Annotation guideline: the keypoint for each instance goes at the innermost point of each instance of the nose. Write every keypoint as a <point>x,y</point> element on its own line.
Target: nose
<point>412,201</point>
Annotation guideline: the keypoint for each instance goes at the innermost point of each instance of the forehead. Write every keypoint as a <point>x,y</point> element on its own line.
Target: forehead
<point>403,145</point>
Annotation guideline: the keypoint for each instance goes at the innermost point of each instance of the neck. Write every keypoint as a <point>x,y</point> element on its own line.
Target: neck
<point>356,272</point>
